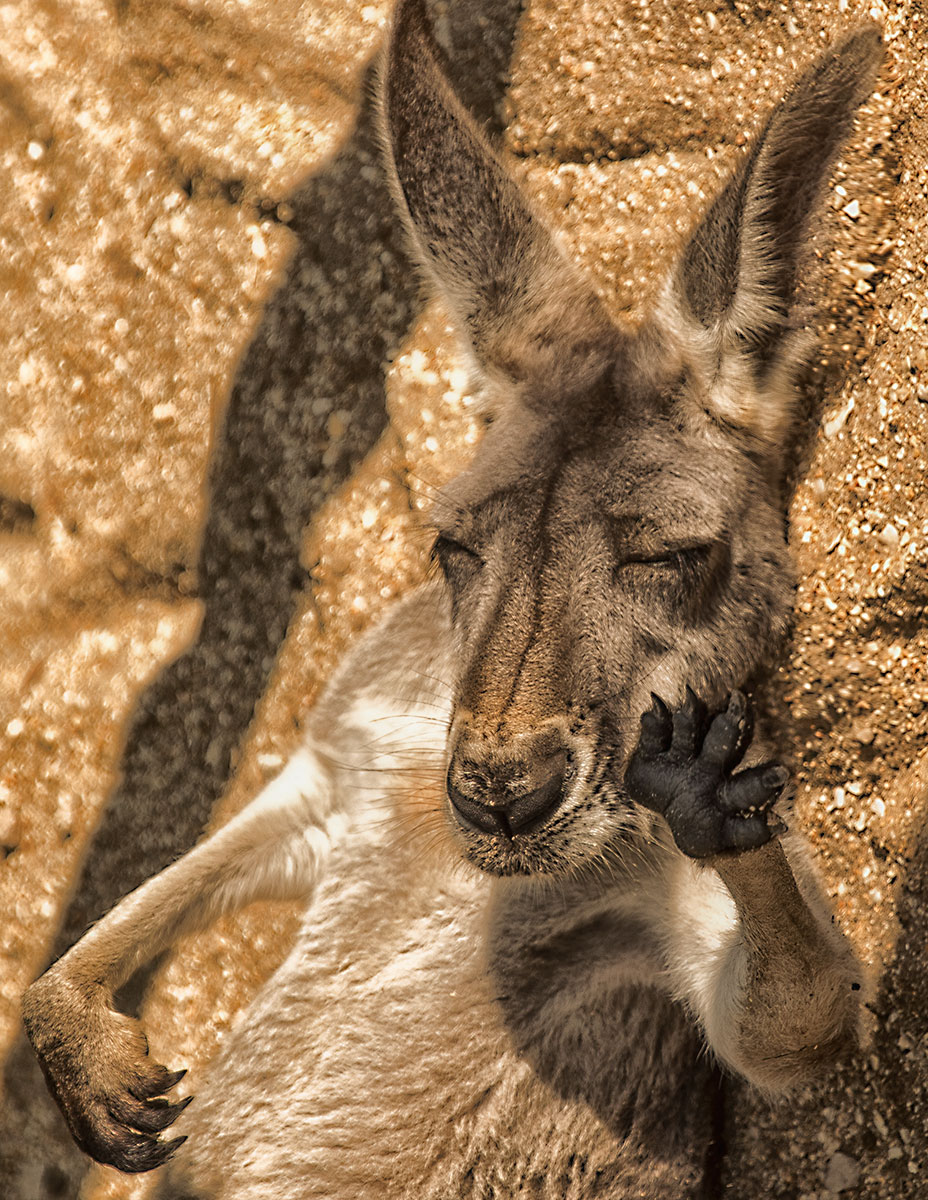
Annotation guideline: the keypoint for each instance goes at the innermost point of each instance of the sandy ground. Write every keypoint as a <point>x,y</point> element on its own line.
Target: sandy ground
<point>223,401</point>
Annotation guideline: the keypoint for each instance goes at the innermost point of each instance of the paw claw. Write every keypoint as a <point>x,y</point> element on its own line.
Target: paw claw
<point>693,705</point>
<point>655,732</point>
<point>173,1146</point>
<point>156,1080</point>
<point>148,1116</point>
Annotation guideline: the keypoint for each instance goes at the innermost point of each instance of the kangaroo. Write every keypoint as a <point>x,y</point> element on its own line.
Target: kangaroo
<point>524,1009</point>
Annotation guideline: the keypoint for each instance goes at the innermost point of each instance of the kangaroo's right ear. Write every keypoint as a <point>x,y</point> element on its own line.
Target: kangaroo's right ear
<point>734,286</point>
<point>530,317</point>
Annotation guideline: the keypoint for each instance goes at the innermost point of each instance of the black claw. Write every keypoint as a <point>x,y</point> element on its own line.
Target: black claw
<point>146,1153</point>
<point>173,1146</point>
<point>776,777</point>
<point>659,708</point>
<point>654,737</point>
<point>693,704</point>
<point>161,1080</point>
<point>152,1116</point>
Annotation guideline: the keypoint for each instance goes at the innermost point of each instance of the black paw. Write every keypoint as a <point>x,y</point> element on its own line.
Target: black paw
<point>683,769</point>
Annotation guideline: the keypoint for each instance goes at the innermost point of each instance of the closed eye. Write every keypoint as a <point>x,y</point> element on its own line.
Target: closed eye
<point>679,558</point>
<point>688,578</point>
<point>448,551</point>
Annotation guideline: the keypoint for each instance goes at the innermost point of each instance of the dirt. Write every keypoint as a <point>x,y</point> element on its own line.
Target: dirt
<point>210,319</point>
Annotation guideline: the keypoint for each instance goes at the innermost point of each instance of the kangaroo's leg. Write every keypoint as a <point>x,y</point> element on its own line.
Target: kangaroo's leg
<point>772,983</point>
<point>96,1059</point>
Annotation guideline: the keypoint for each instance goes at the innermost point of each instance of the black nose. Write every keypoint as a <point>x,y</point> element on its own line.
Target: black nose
<point>494,809</point>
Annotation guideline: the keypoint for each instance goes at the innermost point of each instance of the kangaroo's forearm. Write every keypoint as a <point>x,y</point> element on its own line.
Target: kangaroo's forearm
<point>775,918</point>
<point>96,1059</point>
<point>799,987</point>
<point>275,849</point>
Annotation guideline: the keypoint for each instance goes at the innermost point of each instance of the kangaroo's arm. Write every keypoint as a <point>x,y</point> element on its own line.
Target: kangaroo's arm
<point>378,716</point>
<point>752,953</point>
<point>790,983</point>
<point>774,987</point>
<point>96,1059</point>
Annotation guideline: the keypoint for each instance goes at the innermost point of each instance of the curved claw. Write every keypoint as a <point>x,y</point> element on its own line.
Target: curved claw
<point>157,1080</point>
<point>148,1116</point>
<point>694,708</point>
<point>143,1153</point>
<point>655,734</point>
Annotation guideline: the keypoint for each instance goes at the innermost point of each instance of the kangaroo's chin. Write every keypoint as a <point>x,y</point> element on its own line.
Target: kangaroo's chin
<point>506,857</point>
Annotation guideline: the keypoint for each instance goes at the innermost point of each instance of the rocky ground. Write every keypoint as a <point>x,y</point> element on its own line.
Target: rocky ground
<point>209,321</point>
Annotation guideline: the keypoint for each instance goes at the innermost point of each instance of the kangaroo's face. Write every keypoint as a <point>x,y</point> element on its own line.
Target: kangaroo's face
<point>621,529</point>
<point>592,560</point>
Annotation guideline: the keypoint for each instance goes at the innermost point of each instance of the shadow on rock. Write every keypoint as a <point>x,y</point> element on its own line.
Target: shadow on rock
<point>316,364</point>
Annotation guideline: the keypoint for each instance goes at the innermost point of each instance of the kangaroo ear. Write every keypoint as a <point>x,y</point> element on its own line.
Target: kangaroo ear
<point>738,274</point>
<point>530,317</point>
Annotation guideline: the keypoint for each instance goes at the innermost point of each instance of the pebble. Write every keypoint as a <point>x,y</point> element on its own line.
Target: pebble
<point>842,1174</point>
<point>890,535</point>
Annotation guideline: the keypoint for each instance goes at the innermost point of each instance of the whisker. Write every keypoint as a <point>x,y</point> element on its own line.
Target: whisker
<point>444,683</point>
<point>430,488</point>
<point>426,717</point>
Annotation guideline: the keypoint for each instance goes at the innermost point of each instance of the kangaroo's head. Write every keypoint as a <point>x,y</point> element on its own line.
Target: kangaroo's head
<point>621,530</point>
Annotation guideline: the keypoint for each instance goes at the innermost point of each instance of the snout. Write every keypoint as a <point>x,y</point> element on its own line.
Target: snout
<point>497,794</point>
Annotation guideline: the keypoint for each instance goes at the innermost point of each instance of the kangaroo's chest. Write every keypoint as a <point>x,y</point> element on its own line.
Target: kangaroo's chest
<point>425,1040</point>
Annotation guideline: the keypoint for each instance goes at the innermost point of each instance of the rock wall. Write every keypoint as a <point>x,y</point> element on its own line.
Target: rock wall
<point>201,500</point>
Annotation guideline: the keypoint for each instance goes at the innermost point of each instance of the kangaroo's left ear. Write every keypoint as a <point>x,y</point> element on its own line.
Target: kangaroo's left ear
<point>731,294</point>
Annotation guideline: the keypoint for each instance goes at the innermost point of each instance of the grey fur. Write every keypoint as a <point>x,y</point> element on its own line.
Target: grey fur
<point>529,1029</point>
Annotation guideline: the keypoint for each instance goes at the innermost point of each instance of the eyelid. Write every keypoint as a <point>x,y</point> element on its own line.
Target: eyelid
<point>686,554</point>
<point>449,542</point>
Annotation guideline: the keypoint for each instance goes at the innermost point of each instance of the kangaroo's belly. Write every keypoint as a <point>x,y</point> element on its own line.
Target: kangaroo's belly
<point>400,1051</point>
